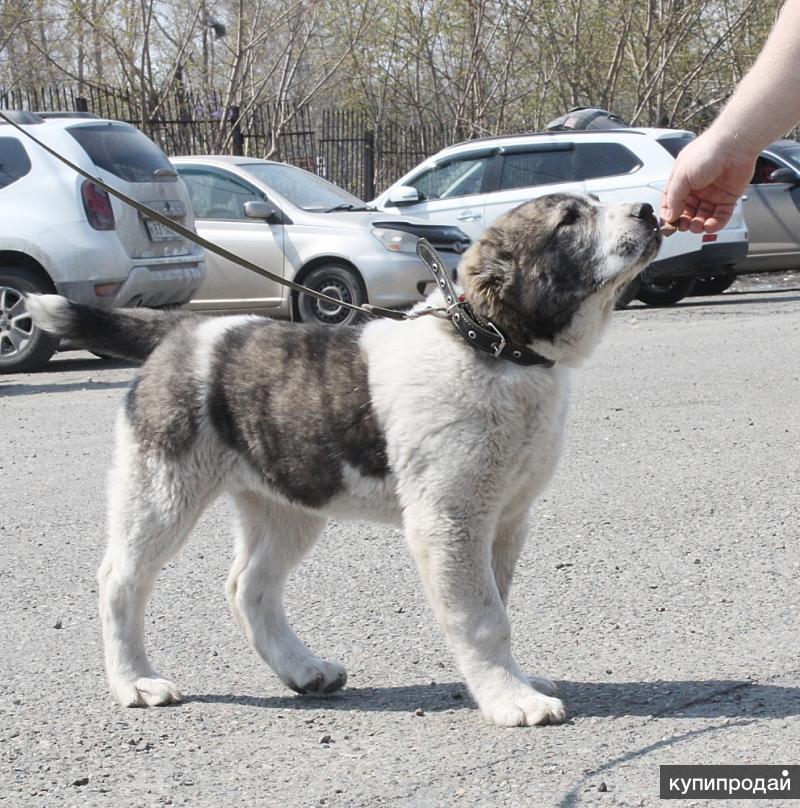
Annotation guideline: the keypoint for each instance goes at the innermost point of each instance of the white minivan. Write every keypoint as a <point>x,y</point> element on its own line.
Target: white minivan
<point>472,183</point>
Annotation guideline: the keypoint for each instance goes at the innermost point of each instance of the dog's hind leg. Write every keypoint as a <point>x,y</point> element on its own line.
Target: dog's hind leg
<point>152,509</point>
<point>272,539</point>
<point>453,552</point>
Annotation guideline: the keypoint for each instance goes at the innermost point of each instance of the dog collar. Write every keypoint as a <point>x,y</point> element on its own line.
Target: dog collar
<point>481,334</point>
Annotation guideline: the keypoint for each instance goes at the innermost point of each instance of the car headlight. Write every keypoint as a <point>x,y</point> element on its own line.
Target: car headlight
<point>396,240</point>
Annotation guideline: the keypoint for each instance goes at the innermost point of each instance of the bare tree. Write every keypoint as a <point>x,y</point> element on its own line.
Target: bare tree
<point>450,69</point>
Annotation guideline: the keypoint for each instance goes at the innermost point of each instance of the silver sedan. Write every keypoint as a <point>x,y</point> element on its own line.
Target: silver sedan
<point>772,209</point>
<point>305,229</point>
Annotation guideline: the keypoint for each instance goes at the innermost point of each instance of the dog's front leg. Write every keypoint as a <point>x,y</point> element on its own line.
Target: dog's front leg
<point>453,553</point>
<point>508,544</point>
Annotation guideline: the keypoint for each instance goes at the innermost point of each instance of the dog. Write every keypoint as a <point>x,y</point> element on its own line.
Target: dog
<point>402,422</point>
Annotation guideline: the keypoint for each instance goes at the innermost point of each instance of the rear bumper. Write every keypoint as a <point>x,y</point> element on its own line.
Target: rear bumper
<point>698,263</point>
<point>166,284</point>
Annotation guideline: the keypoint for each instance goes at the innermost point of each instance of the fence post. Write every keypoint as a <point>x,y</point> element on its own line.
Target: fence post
<point>237,139</point>
<point>81,104</point>
<point>369,165</point>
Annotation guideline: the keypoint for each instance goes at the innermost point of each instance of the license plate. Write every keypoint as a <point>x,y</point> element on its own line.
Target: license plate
<point>160,232</point>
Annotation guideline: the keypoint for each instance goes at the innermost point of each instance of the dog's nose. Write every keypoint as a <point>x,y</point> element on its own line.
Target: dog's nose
<point>643,211</point>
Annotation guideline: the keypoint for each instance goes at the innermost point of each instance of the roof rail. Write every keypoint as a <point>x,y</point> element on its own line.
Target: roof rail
<point>57,113</point>
<point>540,133</point>
<point>22,117</point>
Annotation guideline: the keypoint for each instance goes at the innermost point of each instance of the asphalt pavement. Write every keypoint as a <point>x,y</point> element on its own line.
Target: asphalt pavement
<point>659,587</point>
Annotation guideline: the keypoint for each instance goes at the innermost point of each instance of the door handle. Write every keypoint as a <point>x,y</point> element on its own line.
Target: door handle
<point>468,216</point>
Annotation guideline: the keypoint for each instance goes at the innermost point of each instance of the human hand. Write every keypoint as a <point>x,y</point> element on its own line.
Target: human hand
<point>710,174</point>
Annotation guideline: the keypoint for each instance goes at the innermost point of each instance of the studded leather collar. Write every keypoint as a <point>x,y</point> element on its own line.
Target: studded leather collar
<point>480,333</point>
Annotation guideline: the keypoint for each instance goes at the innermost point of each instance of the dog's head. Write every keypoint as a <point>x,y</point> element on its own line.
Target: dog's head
<point>548,272</point>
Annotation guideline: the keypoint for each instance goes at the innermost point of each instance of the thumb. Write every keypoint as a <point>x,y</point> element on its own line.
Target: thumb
<point>675,194</point>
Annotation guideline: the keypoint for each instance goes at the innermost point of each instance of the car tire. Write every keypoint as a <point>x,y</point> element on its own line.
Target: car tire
<point>22,345</point>
<point>628,293</point>
<point>336,281</point>
<point>714,284</point>
<point>665,292</point>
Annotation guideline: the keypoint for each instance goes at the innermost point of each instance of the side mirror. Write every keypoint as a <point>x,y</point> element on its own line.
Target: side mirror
<point>261,210</point>
<point>784,175</point>
<point>404,195</point>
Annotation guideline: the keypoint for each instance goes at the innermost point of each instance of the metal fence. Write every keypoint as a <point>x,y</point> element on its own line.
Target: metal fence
<point>342,146</point>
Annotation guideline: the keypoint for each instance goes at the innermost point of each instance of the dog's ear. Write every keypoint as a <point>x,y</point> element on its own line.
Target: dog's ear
<point>486,271</point>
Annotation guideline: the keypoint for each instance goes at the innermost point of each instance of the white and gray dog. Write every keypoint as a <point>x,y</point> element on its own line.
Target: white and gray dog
<point>397,421</point>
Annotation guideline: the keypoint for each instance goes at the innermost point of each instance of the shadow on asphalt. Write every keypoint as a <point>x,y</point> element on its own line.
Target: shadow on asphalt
<point>728,299</point>
<point>675,699</point>
<point>572,798</point>
<point>25,384</point>
<point>66,387</point>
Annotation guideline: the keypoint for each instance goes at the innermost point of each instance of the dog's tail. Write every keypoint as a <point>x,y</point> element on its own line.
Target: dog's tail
<point>124,333</point>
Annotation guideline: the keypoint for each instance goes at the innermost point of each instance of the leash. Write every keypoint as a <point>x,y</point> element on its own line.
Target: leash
<point>480,334</point>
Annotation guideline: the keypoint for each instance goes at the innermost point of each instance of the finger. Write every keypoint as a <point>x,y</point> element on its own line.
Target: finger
<point>718,219</point>
<point>705,210</point>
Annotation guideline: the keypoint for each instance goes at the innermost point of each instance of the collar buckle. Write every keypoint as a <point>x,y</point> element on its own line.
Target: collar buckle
<point>497,347</point>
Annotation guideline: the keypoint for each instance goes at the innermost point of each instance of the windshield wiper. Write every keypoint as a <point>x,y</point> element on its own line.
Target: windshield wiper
<point>348,206</point>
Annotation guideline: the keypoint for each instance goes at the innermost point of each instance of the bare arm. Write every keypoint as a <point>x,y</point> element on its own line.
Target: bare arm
<point>713,171</point>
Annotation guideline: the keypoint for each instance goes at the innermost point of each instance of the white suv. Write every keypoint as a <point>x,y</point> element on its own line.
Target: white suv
<point>470,184</point>
<point>61,233</point>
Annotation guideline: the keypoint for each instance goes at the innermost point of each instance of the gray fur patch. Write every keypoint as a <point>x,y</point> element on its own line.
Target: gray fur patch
<point>162,404</point>
<point>294,401</point>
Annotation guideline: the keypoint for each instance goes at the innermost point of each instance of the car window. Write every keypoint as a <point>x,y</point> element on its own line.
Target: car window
<point>539,167</point>
<point>122,150</point>
<point>606,160</point>
<point>675,144</point>
<point>14,161</point>
<point>764,167</point>
<point>452,179</point>
<point>217,194</point>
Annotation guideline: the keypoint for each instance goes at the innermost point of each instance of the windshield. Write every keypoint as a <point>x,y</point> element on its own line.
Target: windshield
<point>302,188</point>
<point>124,151</point>
<point>453,178</point>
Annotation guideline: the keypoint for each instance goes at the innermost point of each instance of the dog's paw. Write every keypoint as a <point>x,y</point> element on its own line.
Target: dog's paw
<point>543,685</point>
<point>519,705</point>
<point>147,691</point>
<point>317,677</point>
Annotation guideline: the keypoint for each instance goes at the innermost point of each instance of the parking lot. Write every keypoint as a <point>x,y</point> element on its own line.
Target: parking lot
<point>659,587</point>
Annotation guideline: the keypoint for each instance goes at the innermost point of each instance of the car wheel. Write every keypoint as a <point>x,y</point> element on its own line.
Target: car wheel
<point>714,284</point>
<point>22,345</point>
<point>628,293</point>
<point>335,281</point>
<point>665,292</point>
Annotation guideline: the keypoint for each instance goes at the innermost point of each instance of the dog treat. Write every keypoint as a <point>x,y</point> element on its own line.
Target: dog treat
<point>667,229</point>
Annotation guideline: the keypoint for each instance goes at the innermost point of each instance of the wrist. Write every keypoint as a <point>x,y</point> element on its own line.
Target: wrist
<point>736,139</point>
